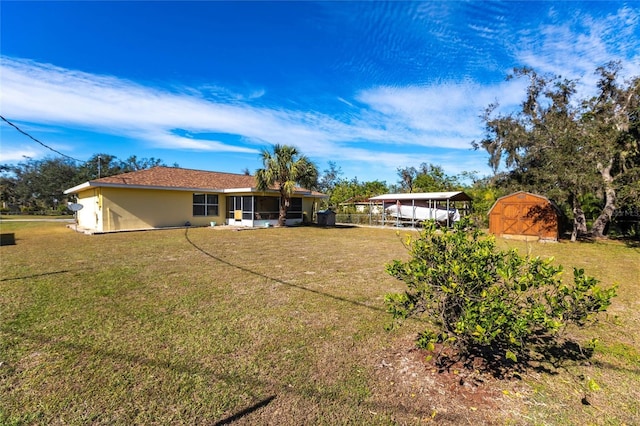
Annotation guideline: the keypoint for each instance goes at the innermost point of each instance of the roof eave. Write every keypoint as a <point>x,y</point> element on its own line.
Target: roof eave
<point>78,188</point>
<point>434,196</point>
<point>94,184</point>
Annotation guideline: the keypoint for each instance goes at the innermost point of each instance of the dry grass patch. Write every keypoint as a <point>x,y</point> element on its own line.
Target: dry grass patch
<point>268,326</point>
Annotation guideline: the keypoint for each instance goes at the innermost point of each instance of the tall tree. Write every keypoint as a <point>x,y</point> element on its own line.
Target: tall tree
<point>432,178</point>
<point>373,188</point>
<point>330,178</point>
<point>98,166</point>
<point>426,178</point>
<point>328,181</point>
<point>7,187</point>
<point>133,163</point>
<point>347,190</point>
<point>284,168</point>
<point>407,177</point>
<point>565,148</point>
<point>611,119</point>
<point>39,184</point>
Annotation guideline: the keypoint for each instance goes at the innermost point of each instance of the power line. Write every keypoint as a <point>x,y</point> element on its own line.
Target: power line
<point>36,140</point>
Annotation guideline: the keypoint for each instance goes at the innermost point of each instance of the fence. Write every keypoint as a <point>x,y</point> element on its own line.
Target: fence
<point>372,220</point>
<point>358,218</point>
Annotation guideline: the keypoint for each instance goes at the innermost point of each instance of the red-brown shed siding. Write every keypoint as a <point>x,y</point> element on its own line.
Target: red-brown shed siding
<point>524,214</point>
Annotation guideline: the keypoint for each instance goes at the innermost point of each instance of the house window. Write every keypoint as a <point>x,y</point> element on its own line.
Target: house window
<point>295,208</point>
<point>205,205</point>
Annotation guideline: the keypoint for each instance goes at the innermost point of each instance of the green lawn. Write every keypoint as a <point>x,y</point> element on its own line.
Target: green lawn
<point>267,326</point>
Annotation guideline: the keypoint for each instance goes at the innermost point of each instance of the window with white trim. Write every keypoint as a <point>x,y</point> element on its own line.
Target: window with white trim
<point>205,204</point>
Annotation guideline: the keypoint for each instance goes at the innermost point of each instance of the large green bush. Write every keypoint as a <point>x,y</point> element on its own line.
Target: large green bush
<point>482,300</point>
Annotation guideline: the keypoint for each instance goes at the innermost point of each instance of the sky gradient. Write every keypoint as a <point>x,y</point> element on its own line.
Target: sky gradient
<point>371,86</point>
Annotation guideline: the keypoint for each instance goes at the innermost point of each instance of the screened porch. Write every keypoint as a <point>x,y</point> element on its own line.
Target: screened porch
<point>261,211</point>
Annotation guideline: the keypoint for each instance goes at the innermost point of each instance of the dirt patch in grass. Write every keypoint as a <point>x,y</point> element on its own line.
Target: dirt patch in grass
<point>421,392</point>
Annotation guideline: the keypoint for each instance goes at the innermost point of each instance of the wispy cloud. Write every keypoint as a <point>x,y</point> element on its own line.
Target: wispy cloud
<point>47,94</point>
<point>445,115</point>
<point>576,48</point>
<point>42,93</point>
<point>17,155</point>
<point>374,126</point>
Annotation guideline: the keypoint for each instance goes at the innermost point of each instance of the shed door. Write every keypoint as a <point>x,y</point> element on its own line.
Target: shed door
<point>516,220</point>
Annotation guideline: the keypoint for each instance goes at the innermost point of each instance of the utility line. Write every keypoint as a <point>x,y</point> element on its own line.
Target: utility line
<point>36,140</point>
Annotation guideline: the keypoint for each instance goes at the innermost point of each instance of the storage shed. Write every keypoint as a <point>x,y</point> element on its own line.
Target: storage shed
<point>327,218</point>
<point>525,215</point>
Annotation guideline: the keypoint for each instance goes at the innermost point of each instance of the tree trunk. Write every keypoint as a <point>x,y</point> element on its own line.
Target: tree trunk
<point>599,226</point>
<point>284,205</point>
<point>579,221</point>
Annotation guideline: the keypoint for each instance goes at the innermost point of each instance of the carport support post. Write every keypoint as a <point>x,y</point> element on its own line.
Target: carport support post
<point>413,215</point>
<point>448,213</point>
<point>384,213</point>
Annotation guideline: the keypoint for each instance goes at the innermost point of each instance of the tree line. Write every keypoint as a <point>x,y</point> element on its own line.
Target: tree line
<point>39,185</point>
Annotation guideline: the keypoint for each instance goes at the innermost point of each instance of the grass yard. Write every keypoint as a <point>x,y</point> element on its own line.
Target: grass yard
<point>269,326</point>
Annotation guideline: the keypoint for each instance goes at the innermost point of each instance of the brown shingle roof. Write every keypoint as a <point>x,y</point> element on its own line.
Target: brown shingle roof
<point>178,178</point>
<point>174,177</point>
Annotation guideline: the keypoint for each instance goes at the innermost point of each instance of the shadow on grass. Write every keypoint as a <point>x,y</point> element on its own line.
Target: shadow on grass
<point>547,355</point>
<point>245,412</point>
<point>631,242</point>
<point>246,383</point>
<point>44,274</point>
<point>336,226</point>
<point>279,281</point>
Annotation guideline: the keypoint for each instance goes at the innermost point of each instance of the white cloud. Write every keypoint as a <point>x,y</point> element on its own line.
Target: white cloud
<point>46,94</point>
<point>17,155</point>
<point>54,95</point>
<point>445,115</point>
<point>576,48</point>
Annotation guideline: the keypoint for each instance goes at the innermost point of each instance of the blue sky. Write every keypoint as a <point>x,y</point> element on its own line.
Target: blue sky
<point>371,86</point>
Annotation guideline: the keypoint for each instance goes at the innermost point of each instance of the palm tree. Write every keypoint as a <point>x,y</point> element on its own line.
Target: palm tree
<point>284,168</point>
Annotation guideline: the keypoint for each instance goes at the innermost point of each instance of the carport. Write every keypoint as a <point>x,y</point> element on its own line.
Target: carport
<point>413,208</point>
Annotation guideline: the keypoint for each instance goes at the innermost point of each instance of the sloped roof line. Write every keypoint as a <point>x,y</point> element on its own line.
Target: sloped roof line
<point>541,197</point>
<point>175,178</point>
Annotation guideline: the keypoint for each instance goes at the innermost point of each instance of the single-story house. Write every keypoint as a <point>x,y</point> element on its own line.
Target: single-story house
<point>162,197</point>
<point>523,215</point>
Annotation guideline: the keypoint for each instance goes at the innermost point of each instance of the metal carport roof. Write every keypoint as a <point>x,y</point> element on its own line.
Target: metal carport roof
<point>437,196</point>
